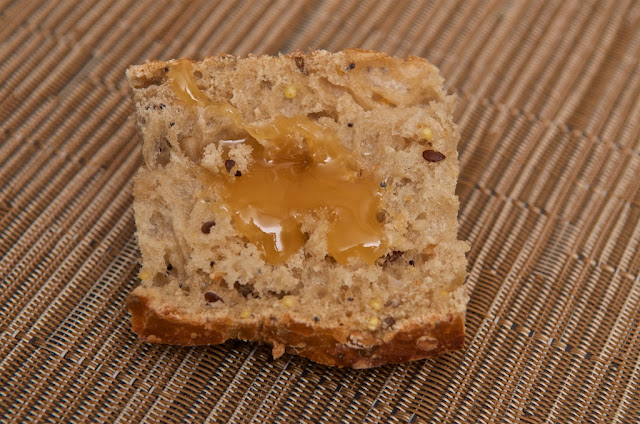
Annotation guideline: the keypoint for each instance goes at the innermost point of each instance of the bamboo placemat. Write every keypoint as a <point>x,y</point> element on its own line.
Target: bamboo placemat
<point>550,201</point>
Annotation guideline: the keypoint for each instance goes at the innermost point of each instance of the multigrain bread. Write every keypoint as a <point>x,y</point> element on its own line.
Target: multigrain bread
<point>306,201</point>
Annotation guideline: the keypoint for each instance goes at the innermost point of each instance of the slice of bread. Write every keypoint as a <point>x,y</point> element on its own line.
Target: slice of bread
<point>306,201</point>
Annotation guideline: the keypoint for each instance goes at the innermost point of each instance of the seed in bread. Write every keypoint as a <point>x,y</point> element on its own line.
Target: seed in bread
<point>306,201</point>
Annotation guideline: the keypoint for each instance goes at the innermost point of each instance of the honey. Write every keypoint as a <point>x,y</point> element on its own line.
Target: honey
<point>299,169</point>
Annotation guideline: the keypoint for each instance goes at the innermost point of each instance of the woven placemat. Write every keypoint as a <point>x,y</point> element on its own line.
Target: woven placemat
<point>550,201</point>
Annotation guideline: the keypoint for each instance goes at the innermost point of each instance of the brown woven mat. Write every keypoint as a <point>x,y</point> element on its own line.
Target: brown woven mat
<point>550,201</point>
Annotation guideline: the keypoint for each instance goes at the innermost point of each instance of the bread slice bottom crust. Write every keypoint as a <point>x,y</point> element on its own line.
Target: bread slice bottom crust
<point>327,346</point>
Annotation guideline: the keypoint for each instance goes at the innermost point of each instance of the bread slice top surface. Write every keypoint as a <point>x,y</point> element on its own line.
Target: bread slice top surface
<point>391,115</point>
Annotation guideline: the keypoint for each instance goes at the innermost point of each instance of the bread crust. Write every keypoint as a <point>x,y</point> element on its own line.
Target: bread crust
<point>328,346</point>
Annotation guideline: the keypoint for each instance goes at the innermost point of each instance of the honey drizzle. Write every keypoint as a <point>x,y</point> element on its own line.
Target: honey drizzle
<point>288,180</point>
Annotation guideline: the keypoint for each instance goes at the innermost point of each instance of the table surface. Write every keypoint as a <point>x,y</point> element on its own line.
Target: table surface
<point>549,113</point>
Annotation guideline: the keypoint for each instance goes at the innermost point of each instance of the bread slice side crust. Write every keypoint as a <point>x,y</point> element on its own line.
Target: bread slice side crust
<point>328,346</point>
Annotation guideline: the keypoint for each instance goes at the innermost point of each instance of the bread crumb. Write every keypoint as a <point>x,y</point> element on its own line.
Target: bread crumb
<point>278,350</point>
<point>153,339</point>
